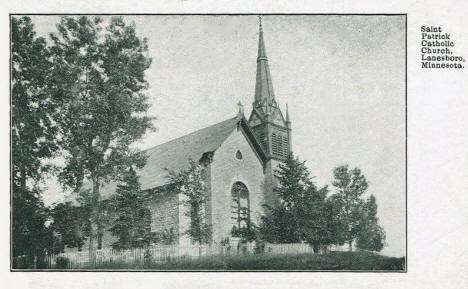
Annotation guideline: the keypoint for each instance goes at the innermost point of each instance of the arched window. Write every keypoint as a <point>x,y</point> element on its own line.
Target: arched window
<point>240,206</point>
<point>238,155</point>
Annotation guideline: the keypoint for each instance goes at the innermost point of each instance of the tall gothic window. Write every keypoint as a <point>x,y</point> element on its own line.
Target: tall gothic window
<point>240,206</point>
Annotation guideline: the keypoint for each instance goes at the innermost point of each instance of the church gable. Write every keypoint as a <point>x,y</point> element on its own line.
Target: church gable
<point>240,148</point>
<point>255,119</point>
<point>278,118</point>
<point>236,162</point>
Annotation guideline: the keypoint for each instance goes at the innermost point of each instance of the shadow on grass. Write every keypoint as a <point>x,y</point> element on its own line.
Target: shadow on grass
<point>330,261</point>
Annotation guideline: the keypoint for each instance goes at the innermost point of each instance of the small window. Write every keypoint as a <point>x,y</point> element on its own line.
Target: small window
<point>238,155</point>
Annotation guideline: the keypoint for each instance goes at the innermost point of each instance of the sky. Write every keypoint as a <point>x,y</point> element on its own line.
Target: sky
<point>343,78</point>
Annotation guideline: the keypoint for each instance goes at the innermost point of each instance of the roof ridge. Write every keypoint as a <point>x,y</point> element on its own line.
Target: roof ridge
<point>190,133</point>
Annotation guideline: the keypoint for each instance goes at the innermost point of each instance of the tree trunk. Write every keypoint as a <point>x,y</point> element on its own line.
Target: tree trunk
<point>23,181</point>
<point>94,219</point>
<point>91,249</point>
<point>315,246</point>
<point>350,245</point>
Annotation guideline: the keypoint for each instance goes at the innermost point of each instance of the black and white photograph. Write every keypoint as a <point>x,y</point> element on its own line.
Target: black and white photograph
<point>208,142</point>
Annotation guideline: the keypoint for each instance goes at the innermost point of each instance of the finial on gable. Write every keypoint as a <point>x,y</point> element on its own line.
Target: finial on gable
<point>241,108</point>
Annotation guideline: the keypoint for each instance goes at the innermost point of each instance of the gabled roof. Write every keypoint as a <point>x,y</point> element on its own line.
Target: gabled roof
<point>174,155</point>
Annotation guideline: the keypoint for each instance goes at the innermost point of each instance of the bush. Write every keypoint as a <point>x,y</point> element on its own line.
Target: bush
<point>148,257</point>
<point>306,261</point>
<point>23,262</point>
<point>62,262</point>
<point>41,262</point>
<point>259,247</point>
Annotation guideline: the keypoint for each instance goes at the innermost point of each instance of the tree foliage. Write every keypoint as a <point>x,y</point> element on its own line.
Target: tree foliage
<point>300,213</point>
<point>314,218</point>
<point>33,136</point>
<point>350,185</point>
<point>30,236</point>
<point>99,76</point>
<point>69,224</point>
<point>132,225</point>
<point>305,213</point>
<point>371,235</point>
<point>336,225</point>
<point>280,223</point>
<point>191,184</point>
<point>354,220</point>
<point>33,127</point>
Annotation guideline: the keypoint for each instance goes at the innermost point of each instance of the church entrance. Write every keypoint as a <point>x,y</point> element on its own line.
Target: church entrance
<point>240,208</point>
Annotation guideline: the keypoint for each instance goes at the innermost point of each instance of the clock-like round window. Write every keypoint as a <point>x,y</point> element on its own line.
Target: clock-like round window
<point>238,155</point>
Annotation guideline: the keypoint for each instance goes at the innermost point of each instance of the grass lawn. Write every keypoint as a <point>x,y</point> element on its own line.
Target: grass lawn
<point>329,261</point>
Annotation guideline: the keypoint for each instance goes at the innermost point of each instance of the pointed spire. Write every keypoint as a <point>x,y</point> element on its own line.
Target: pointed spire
<point>261,42</point>
<point>263,87</point>
<point>287,113</point>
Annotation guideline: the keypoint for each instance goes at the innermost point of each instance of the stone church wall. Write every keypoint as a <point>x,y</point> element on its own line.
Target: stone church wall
<point>165,213</point>
<point>226,169</point>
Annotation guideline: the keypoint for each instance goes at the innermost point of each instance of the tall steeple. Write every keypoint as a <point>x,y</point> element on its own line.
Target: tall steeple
<point>266,120</point>
<point>264,94</point>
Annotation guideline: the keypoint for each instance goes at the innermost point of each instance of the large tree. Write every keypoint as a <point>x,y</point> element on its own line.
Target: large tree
<point>132,226</point>
<point>99,75</point>
<point>350,185</point>
<point>33,136</point>
<point>280,223</point>
<point>337,230</point>
<point>371,235</point>
<point>300,212</point>
<point>314,217</point>
<point>191,183</point>
<point>69,224</point>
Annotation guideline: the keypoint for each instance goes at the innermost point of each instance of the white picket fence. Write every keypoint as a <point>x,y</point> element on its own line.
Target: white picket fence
<point>154,254</point>
<point>161,254</point>
<point>294,248</point>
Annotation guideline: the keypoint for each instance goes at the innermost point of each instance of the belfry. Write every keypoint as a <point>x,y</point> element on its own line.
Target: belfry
<point>271,129</point>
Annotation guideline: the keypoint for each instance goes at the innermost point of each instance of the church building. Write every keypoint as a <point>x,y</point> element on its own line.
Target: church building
<point>239,154</point>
